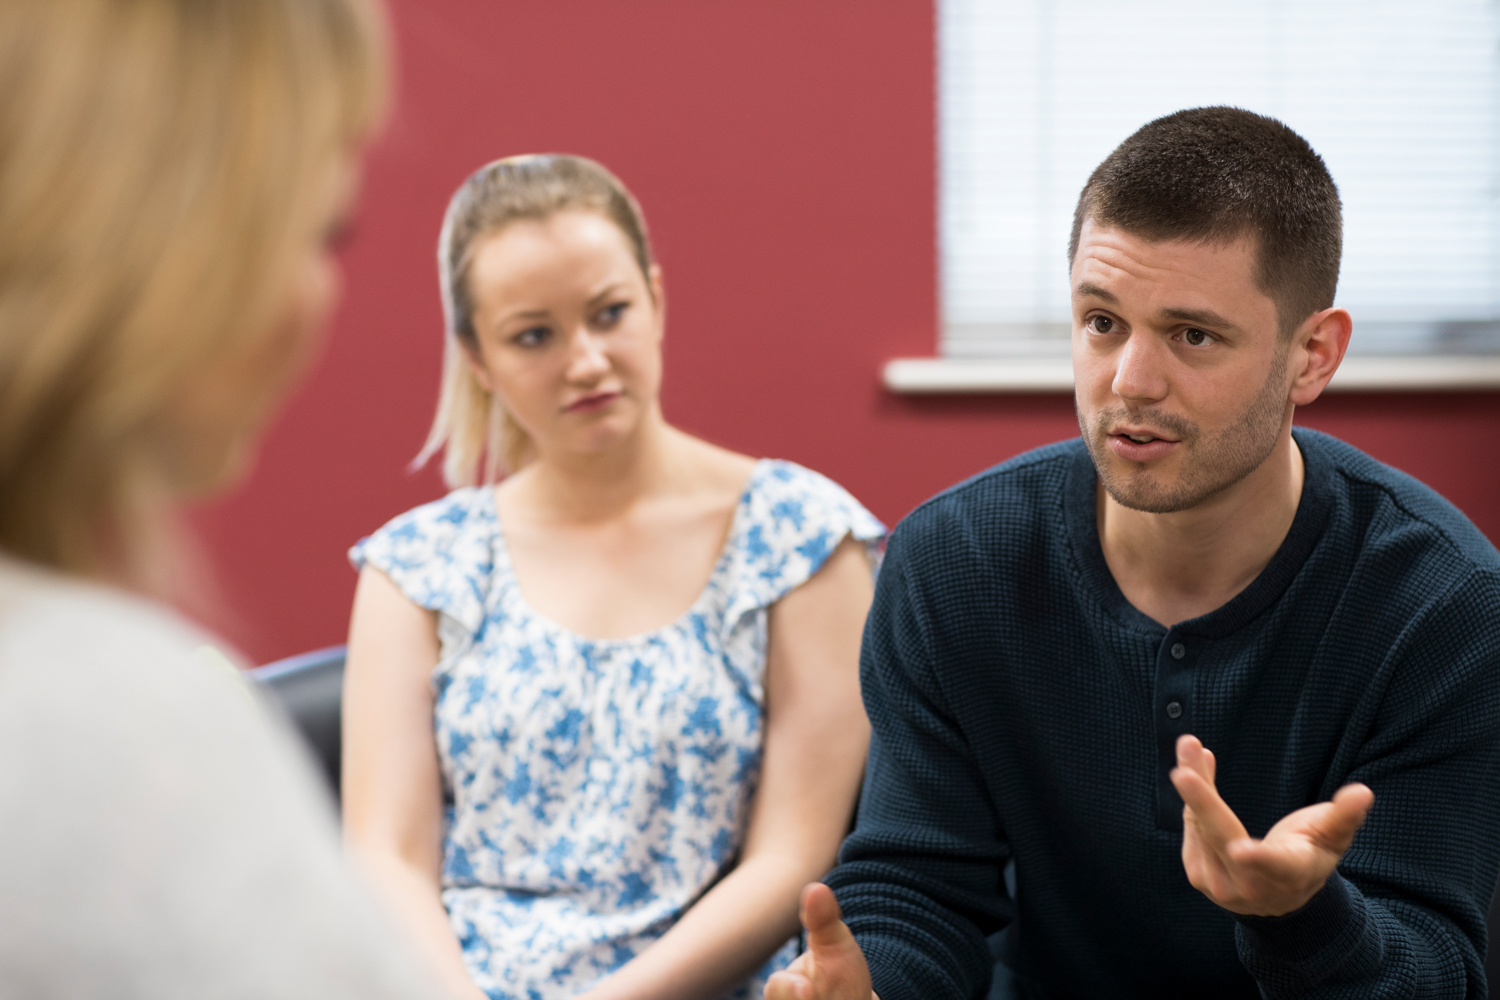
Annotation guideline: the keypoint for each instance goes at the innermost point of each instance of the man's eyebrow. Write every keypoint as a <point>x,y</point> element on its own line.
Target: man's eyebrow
<point>1096,291</point>
<point>1205,317</point>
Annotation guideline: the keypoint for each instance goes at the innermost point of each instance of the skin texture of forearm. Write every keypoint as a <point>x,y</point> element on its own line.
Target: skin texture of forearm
<point>724,938</point>
<point>412,898</point>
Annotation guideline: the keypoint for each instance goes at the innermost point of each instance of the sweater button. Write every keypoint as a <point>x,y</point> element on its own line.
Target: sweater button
<point>1178,652</point>
<point>1174,709</point>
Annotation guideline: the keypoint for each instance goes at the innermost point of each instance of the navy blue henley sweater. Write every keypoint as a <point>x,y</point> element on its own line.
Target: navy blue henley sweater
<point>1023,709</point>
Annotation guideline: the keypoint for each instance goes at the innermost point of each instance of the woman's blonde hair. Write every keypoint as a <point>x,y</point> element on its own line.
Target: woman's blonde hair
<point>471,424</point>
<point>161,163</point>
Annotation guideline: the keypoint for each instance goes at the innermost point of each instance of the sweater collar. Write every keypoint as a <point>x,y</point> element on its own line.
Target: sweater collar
<point>1264,591</point>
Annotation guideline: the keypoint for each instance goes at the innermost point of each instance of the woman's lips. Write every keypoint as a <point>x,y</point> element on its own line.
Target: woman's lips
<point>1135,451</point>
<point>593,402</point>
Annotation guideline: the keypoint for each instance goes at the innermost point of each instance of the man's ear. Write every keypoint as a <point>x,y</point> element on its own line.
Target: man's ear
<point>1317,349</point>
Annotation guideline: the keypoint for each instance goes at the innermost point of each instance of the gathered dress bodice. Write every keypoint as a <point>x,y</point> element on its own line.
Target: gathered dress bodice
<point>598,787</point>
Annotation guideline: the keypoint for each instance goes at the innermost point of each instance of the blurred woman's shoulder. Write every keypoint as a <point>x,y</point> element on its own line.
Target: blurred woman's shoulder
<point>59,611</point>
<point>136,763</point>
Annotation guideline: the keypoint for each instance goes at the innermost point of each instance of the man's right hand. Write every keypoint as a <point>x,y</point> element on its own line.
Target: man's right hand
<point>832,967</point>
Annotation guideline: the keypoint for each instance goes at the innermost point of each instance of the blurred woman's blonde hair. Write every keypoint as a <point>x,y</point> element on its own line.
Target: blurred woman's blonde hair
<point>160,163</point>
<point>472,426</point>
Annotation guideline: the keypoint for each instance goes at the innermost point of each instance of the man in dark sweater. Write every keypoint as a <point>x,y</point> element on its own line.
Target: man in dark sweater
<point>1051,640</point>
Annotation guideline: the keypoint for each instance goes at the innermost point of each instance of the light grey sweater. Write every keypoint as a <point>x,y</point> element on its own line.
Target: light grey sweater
<point>161,833</point>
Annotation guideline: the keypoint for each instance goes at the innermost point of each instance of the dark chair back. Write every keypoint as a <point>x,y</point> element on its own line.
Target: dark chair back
<point>310,688</point>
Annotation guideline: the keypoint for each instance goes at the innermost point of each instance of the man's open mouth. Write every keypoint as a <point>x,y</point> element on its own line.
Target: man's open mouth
<point>1142,437</point>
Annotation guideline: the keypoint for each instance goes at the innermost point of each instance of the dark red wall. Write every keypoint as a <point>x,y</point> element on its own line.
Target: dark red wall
<point>783,151</point>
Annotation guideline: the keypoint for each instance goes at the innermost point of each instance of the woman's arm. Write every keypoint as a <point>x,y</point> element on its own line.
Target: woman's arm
<point>815,743</point>
<point>392,788</point>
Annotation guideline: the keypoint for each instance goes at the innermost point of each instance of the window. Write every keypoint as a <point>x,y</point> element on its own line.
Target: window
<point>1402,100</point>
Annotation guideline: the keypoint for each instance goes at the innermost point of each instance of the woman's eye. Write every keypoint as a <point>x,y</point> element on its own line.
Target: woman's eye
<point>532,337</point>
<point>610,315</point>
<point>1195,337</point>
<point>1101,324</point>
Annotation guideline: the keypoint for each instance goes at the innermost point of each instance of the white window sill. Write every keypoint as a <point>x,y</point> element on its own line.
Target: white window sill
<point>1413,373</point>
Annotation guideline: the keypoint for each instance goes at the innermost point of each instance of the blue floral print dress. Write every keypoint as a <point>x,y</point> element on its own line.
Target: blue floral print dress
<point>598,787</point>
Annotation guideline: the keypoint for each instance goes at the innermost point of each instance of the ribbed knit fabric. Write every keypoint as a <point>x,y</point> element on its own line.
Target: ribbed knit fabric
<point>1022,708</point>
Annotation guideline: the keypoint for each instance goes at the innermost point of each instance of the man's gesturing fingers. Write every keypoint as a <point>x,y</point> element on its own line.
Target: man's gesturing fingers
<point>1284,871</point>
<point>824,920</point>
<point>1321,833</point>
<point>833,967</point>
<point>1193,754</point>
<point>1335,828</point>
<point>1205,812</point>
<point>1269,877</point>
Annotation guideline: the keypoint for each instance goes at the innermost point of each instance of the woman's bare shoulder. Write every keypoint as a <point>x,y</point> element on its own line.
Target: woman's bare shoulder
<point>717,468</point>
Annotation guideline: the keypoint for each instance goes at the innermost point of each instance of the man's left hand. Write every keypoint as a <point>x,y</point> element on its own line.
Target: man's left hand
<point>1263,878</point>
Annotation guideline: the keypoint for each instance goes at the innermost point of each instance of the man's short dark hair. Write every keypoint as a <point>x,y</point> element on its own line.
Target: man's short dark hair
<point>1217,174</point>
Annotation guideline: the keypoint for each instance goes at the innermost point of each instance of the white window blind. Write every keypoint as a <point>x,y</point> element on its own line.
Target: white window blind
<point>1401,98</point>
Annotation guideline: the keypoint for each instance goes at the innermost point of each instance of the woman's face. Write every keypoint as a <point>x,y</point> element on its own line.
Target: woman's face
<point>568,331</point>
<point>218,419</point>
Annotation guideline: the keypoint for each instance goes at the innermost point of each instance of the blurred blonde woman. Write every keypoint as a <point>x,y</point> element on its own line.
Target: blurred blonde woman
<point>170,174</point>
<point>602,720</point>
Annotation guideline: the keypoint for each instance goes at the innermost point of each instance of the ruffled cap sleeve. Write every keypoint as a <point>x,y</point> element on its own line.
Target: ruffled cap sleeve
<point>440,555</point>
<point>794,520</point>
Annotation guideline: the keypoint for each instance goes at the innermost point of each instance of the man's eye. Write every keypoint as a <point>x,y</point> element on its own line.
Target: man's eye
<point>1195,337</point>
<point>1101,324</point>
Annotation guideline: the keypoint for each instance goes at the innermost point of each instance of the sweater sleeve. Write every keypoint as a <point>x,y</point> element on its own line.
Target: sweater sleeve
<point>1405,914</point>
<point>920,878</point>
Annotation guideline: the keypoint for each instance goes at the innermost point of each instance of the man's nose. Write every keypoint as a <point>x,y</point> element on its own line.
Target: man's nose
<point>1141,368</point>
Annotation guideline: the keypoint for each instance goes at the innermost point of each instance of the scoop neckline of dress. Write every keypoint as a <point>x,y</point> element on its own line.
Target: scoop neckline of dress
<point>501,559</point>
